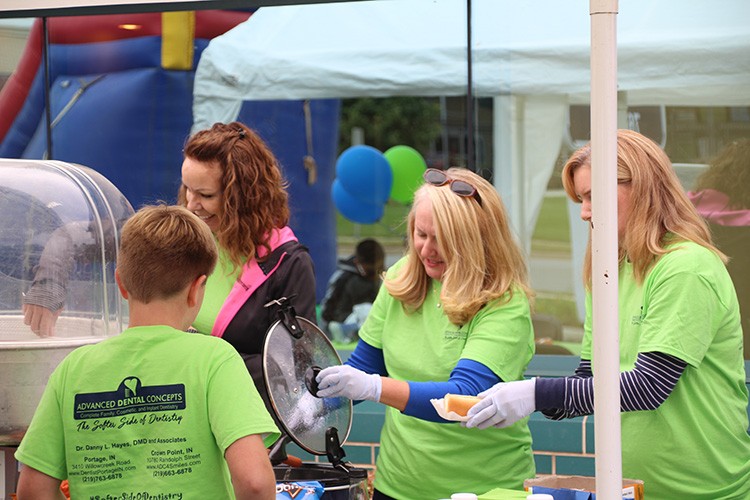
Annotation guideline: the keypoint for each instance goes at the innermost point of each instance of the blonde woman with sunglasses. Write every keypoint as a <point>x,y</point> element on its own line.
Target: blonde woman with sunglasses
<point>452,317</point>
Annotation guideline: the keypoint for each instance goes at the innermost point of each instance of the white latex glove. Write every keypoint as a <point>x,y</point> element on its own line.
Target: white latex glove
<point>343,381</point>
<point>503,404</point>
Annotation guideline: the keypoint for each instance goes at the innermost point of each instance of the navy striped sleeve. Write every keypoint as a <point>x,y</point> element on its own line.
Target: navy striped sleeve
<point>645,387</point>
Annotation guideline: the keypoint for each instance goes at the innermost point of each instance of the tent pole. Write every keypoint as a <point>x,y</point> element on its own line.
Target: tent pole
<point>470,160</point>
<point>444,132</point>
<point>605,280</point>
<point>47,106</point>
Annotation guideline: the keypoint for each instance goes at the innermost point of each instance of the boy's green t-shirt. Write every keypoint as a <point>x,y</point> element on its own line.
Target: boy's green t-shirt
<point>150,411</point>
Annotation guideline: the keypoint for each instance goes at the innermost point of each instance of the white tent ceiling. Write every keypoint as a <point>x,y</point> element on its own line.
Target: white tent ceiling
<point>670,51</point>
<point>533,57</point>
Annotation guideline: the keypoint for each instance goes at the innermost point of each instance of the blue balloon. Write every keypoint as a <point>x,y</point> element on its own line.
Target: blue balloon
<point>365,174</point>
<point>353,208</point>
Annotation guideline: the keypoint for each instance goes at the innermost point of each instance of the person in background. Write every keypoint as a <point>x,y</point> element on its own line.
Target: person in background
<point>453,316</point>
<point>44,301</point>
<point>351,291</point>
<point>682,381</point>
<point>72,245</point>
<point>233,182</point>
<point>722,197</point>
<point>154,410</point>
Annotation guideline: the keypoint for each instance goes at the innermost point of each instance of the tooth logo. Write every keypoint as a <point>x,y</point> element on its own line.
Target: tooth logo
<point>131,385</point>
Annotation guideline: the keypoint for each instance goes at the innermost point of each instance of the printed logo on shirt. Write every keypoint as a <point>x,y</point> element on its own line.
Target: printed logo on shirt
<point>637,319</point>
<point>454,335</point>
<point>130,397</point>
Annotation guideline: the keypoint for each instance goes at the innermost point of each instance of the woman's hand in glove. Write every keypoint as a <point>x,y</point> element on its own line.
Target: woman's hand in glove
<point>343,381</point>
<point>503,404</point>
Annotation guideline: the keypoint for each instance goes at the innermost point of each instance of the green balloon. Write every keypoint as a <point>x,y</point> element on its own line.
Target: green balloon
<point>407,166</point>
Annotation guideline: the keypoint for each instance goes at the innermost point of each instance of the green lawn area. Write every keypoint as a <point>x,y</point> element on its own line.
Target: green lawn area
<point>553,224</point>
<point>552,229</point>
<point>392,225</point>
<point>563,307</point>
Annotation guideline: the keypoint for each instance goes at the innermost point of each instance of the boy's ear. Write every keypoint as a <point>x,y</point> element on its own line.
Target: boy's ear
<point>123,292</point>
<point>195,292</point>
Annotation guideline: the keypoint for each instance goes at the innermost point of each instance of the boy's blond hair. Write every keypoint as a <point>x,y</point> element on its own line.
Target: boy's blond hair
<point>163,249</point>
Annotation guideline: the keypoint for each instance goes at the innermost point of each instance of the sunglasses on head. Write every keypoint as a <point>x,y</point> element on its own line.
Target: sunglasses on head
<point>459,187</point>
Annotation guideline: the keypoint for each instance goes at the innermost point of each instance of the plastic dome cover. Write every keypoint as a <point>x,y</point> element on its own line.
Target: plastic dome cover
<point>59,235</point>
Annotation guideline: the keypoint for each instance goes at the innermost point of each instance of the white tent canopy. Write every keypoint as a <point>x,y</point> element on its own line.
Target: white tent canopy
<point>532,57</point>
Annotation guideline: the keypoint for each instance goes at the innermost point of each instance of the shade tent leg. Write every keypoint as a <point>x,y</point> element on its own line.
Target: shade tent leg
<point>606,349</point>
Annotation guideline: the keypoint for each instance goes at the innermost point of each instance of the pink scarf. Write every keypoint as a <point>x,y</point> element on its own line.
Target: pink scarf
<point>714,206</point>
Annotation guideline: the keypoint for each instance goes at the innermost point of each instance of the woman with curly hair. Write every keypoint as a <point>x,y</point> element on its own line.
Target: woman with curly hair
<point>233,182</point>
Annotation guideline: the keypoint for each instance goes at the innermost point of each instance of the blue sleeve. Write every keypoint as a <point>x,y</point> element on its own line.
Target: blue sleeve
<point>468,377</point>
<point>367,358</point>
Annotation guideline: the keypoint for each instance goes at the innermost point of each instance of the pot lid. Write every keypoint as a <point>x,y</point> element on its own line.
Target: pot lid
<point>295,351</point>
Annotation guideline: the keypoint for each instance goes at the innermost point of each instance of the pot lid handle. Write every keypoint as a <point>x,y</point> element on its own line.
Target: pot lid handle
<point>287,315</point>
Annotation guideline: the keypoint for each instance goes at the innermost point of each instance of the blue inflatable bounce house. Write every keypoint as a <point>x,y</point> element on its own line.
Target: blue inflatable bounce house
<point>121,103</point>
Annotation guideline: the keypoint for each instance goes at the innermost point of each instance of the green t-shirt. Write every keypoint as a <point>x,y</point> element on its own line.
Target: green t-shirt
<point>695,445</point>
<point>218,286</point>
<point>419,459</point>
<point>150,411</point>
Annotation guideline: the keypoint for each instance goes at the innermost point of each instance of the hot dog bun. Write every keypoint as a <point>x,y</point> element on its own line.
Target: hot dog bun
<point>458,403</point>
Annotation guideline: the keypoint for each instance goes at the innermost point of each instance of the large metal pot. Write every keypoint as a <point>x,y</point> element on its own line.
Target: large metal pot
<point>25,366</point>
<point>337,484</point>
<point>295,350</point>
<point>59,233</point>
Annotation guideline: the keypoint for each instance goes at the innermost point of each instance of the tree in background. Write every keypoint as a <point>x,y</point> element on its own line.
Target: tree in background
<point>388,122</point>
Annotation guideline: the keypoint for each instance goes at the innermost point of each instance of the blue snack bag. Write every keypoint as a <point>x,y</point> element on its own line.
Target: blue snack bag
<point>299,490</point>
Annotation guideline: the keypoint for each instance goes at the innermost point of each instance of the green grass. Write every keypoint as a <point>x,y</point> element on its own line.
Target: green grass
<point>392,225</point>
<point>562,307</point>
<point>552,226</point>
<point>551,232</point>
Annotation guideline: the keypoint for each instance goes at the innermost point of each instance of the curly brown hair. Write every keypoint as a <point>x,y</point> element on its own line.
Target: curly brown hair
<point>254,191</point>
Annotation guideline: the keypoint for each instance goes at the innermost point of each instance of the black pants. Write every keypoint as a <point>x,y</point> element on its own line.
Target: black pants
<point>376,495</point>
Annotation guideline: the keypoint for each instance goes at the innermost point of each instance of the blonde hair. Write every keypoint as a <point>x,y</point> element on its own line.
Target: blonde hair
<point>661,213</point>
<point>483,261</point>
<point>254,196</point>
<point>162,250</point>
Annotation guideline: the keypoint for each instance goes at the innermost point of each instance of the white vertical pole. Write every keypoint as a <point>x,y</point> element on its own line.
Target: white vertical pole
<point>507,162</point>
<point>606,349</point>
<point>2,474</point>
